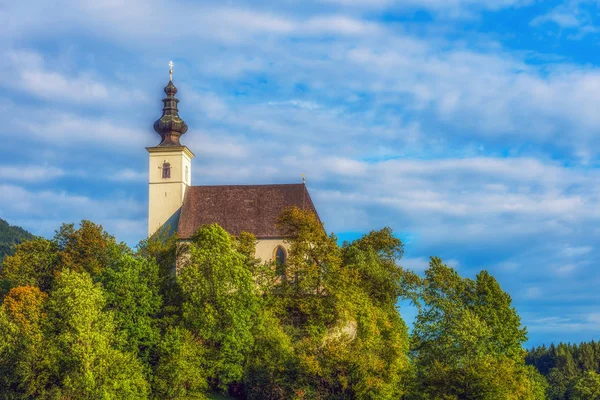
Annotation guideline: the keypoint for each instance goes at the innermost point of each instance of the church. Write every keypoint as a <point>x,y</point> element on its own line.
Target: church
<point>176,205</point>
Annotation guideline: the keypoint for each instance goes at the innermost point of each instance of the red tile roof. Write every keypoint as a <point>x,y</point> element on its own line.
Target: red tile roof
<point>249,208</point>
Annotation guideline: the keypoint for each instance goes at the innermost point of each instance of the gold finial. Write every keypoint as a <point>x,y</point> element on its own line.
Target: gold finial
<point>171,70</point>
<point>303,179</point>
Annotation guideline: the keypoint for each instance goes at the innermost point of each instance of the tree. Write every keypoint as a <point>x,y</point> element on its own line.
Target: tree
<point>272,366</point>
<point>163,250</point>
<point>339,333</point>
<point>34,263</point>
<point>10,236</point>
<point>220,303</point>
<point>24,365</point>
<point>180,371</point>
<point>467,340</point>
<point>89,248</point>
<point>131,288</point>
<point>83,344</point>
<point>37,262</point>
<point>587,387</point>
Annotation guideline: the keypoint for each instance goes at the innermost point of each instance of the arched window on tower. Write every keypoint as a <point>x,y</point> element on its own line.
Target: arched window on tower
<point>166,170</point>
<point>280,260</point>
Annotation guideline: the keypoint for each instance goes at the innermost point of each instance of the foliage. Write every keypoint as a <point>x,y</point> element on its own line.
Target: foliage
<point>180,371</point>
<point>35,263</point>
<point>220,303</point>
<point>39,261</point>
<point>163,250</point>
<point>328,328</point>
<point>84,342</point>
<point>11,236</point>
<point>132,295</point>
<point>587,387</point>
<point>83,316</point>
<point>565,365</point>
<point>22,361</point>
<point>467,340</point>
<point>89,248</point>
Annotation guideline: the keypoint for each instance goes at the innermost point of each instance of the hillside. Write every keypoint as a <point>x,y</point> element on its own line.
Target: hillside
<point>11,236</point>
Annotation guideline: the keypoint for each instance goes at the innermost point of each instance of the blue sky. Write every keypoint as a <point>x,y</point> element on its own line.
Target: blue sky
<point>470,127</point>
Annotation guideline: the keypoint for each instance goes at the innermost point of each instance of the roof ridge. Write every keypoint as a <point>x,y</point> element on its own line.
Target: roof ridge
<point>249,186</point>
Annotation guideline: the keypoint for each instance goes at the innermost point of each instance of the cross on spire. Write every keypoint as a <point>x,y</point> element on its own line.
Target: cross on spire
<point>171,70</point>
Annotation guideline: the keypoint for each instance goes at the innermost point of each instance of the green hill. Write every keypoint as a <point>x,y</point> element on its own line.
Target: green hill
<point>11,236</point>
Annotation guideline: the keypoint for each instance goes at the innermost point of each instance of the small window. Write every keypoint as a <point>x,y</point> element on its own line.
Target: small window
<point>166,170</point>
<point>280,260</point>
<point>280,256</point>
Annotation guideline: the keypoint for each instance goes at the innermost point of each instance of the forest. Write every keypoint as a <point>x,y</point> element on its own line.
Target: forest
<point>83,316</point>
<point>10,236</point>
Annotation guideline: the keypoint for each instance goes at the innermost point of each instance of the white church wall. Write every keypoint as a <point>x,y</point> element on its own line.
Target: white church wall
<point>265,248</point>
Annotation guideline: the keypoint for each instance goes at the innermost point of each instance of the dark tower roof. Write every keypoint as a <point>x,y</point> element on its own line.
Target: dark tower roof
<point>170,126</point>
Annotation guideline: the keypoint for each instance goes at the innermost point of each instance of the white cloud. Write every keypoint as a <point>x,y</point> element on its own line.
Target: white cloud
<point>533,292</point>
<point>127,175</point>
<point>42,212</point>
<point>418,264</point>
<point>29,173</point>
<point>339,24</point>
<point>576,251</point>
<point>28,71</point>
<point>562,19</point>
<point>454,8</point>
<point>588,322</point>
<point>572,16</point>
<point>51,84</point>
<point>68,130</point>
<point>566,269</point>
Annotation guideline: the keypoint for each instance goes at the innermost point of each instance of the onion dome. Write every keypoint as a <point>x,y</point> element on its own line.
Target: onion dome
<point>170,126</point>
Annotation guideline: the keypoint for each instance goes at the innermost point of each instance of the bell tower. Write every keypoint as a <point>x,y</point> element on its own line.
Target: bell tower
<point>170,165</point>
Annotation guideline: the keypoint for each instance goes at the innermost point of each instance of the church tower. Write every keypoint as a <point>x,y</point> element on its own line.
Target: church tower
<point>170,165</point>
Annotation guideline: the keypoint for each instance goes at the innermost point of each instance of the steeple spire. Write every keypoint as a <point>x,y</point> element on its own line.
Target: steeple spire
<point>170,126</point>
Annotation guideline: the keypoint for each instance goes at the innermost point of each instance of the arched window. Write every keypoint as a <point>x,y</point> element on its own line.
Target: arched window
<point>166,170</point>
<point>280,260</point>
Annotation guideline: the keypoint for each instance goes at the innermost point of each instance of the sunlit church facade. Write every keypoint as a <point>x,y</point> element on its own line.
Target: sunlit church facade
<point>175,205</point>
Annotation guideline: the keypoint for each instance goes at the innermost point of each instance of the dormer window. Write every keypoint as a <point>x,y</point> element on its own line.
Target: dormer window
<point>166,170</point>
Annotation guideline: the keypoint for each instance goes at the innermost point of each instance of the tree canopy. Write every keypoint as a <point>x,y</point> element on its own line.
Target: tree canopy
<point>10,237</point>
<point>83,316</point>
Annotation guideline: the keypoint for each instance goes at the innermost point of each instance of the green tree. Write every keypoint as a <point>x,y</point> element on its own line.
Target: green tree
<point>220,303</point>
<point>24,362</point>
<point>467,340</point>
<point>132,295</point>
<point>163,249</point>
<point>563,375</point>
<point>37,262</point>
<point>587,387</point>
<point>89,248</point>
<point>334,331</point>
<point>272,365</point>
<point>11,236</point>
<point>34,263</point>
<point>83,343</point>
<point>180,372</point>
